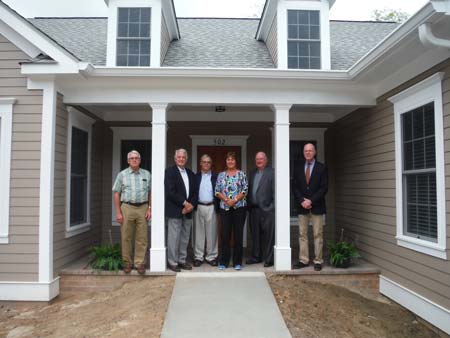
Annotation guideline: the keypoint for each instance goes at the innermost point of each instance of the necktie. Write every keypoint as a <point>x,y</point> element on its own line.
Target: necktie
<point>308,172</point>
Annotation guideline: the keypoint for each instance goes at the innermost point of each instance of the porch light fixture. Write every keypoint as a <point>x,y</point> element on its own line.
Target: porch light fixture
<point>220,109</point>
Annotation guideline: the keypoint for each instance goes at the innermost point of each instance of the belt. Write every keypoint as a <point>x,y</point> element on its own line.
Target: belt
<point>210,203</point>
<point>135,204</point>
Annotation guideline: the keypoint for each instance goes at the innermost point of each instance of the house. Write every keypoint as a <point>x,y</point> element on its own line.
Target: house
<point>77,93</point>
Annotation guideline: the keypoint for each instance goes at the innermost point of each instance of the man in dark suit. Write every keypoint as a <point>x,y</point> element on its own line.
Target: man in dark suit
<point>205,215</point>
<point>181,199</point>
<point>262,211</point>
<point>310,185</point>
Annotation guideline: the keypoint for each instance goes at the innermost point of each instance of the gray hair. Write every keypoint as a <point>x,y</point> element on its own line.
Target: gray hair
<point>263,153</point>
<point>181,150</point>
<point>133,152</point>
<point>206,157</point>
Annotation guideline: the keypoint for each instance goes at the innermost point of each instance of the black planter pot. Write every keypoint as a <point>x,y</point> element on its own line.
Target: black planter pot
<point>345,264</point>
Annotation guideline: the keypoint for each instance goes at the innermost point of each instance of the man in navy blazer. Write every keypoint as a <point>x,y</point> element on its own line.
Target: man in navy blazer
<point>205,215</point>
<point>181,199</point>
<point>310,185</point>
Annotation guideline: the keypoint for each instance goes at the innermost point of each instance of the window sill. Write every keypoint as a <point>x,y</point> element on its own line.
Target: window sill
<point>78,229</point>
<point>422,246</point>
<point>4,239</point>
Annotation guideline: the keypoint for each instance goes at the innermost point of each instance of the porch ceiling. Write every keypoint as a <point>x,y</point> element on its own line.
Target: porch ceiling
<point>211,113</point>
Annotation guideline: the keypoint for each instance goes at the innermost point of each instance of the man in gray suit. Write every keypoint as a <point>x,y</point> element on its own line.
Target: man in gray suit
<point>261,199</point>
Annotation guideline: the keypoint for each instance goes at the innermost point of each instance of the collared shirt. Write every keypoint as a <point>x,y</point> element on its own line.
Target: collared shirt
<point>311,166</point>
<point>206,193</point>
<point>185,178</point>
<point>256,181</point>
<point>232,186</point>
<point>133,186</point>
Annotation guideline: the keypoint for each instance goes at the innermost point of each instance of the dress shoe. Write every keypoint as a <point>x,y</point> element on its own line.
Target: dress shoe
<point>317,267</point>
<point>299,265</point>
<point>174,268</point>
<point>213,262</point>
<point>197,263</point>
<point>141,269</point>
<point>252,261</point>
<point>268,264</point>
<point>185,266</point>
<point>127,268</point>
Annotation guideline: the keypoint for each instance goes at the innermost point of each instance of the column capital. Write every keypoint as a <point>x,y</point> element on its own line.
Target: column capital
<point>159,105</point>
<point>276,107</point>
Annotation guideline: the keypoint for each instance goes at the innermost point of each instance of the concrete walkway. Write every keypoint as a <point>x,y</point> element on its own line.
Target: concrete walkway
<point>223,304</point>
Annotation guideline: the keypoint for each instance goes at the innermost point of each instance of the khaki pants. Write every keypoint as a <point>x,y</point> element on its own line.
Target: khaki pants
<point>205,228</point>
<point>134,225</point>
<point>317,224</point>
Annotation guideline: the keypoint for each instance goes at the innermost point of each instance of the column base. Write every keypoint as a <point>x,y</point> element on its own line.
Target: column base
<point>158,259</point>
<point>282,258</point>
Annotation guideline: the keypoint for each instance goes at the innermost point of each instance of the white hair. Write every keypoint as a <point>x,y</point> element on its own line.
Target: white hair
<point>205,157</point>
<point>181,150</point>
<point>133,152</point>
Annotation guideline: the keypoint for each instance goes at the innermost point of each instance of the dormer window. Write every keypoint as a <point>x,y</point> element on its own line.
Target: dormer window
<point>133,37</point>
<point>304,39</point>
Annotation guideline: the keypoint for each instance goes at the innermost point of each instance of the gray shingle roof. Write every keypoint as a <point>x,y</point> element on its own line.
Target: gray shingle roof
<point>224,43</point>
<point>84,37</point>
<point>350,40</point>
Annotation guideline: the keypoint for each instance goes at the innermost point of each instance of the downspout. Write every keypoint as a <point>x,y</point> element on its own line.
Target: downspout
<point>428,39</point>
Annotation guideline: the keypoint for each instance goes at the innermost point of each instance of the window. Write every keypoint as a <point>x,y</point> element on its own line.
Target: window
<point>304,39</point>
<point>6,110</point>
<point>133,37</point>
<point>420,171</point>
<point>78,173</point>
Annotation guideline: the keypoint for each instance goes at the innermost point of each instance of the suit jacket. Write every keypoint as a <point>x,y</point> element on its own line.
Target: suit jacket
<point>265,193</point>
<point>198,180</point>
<point>176,192</point>
<point>315,191</point>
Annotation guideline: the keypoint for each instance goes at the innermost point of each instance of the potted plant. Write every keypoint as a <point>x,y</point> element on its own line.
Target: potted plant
<point>106,257</point>
<point>342,252</point>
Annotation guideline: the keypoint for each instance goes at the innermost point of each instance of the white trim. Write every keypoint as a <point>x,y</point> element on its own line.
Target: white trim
<point>119,134</point>
<point>426,91</point>
<point>219,140</point>
<point>47,179</point>
<point>6,112</point>
<point>18,40</point>
<point>155,30</point>
<point>421,306</point>
<point>80,121</point>
<point>29,291</point>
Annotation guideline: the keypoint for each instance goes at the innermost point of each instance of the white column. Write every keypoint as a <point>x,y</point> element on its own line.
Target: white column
<point>282,189</point>
<point>159,136</point>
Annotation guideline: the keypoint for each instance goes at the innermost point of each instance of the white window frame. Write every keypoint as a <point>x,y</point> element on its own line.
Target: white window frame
<point>83,122</point>
<point>426,91</point>
<point>6,111</point>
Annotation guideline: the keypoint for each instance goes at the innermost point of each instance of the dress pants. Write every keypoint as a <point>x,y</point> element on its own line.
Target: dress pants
<point>178,232</point>
<point>134,225</point>
<point>232,219</point>
<point>205,228</point>
<point>263,234</point>
<point>317,223</point>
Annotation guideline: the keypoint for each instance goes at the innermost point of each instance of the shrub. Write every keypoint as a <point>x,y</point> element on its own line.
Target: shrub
<point>106,257</point>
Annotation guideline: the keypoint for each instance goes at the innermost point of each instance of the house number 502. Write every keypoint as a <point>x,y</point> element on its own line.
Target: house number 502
<point>219,141</point>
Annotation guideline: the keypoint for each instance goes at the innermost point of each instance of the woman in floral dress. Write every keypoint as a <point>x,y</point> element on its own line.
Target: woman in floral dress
<point>231,189</point>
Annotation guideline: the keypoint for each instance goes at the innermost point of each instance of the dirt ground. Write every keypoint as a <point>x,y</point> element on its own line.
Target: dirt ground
<point>314,310</point>
<point>135,310</point>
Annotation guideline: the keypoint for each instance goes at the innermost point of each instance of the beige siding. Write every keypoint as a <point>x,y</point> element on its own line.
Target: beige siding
<point>19,258</point>
<point>272,41</point>
<point>68,249</point>
<point>165,39</point>
<point>364,171</point>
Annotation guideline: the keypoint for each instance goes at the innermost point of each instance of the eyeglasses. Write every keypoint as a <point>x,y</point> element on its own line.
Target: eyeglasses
<point>134,158</point>
<point>206,161</point>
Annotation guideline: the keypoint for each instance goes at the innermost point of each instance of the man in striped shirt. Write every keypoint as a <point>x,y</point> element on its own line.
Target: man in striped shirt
<point>132,196</point>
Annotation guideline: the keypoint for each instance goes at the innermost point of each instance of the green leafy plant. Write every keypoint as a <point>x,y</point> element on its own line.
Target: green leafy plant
<point>106,257</point>
<point>342,252</point>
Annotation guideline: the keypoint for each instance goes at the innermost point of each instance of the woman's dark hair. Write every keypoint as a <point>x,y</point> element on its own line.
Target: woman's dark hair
<point>231,154</point>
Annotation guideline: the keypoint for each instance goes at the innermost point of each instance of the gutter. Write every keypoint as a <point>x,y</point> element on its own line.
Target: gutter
<point>429,39</point>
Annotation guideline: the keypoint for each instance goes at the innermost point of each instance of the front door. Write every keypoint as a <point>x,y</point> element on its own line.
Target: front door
<point>218,155</point>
